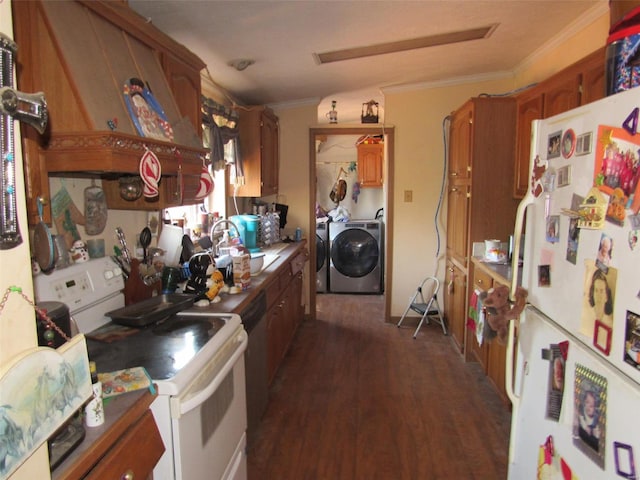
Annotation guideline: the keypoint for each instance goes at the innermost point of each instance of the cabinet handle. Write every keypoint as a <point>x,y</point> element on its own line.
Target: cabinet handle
<point>128,475</point>
<point>454,174</point>
<point>454,189</point>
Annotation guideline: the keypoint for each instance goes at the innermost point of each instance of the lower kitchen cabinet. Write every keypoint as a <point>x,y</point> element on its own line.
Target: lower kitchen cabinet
<point>455,302</point>
<point>285,311</point>
<point>128,445</point>
<point>490,355</point>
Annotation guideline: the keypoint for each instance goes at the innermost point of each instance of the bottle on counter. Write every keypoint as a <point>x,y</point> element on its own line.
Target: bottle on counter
<point>298,234</point>
<point>94,411</point>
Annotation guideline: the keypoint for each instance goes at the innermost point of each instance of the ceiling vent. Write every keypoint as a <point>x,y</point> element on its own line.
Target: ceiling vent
<point>403,45</point>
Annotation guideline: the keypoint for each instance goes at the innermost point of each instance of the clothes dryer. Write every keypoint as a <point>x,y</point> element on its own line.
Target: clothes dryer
<point>322,257</point>
<point>356,256</point>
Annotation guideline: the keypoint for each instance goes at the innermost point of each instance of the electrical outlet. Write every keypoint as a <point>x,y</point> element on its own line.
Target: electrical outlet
<point>408,195</point>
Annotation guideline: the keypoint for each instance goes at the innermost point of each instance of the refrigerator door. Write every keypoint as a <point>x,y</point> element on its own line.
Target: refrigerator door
<point>546,439</point>
<point>561,252</point>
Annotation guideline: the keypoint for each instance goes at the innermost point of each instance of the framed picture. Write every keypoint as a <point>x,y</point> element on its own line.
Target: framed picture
<point>553,145</point>
<point>616,157</point>
<point>590,416</point>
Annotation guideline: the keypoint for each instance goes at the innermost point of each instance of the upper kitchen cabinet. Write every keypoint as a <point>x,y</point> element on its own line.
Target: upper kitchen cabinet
<point>480,204</point>
<point>370,157</point>
<point>259,149</point>
<point>578,84</point>
<point>81,54</point>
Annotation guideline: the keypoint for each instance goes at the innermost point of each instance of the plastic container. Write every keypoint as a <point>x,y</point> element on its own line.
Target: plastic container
<point>622,72</point>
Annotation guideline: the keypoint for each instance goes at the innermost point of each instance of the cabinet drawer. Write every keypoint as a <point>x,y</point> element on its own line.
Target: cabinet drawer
<point>136,453</point>
<point>297,264</point>
<point>482,280</point>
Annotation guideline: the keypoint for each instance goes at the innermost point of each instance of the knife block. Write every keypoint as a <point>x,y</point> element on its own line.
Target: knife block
<point>134,288</point>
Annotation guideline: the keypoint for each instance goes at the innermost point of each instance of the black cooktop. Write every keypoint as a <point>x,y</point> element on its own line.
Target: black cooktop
<point>162,348</point>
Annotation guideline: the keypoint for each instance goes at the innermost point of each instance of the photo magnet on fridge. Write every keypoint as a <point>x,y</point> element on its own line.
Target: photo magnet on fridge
<point>590,416</point>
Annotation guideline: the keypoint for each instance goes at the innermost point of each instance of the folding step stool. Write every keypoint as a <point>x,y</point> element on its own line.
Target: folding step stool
<point>428,289</point>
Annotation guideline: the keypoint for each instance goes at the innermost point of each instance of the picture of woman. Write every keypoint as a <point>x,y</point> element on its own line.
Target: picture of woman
<point>598,298</point>
<point>604,250</point>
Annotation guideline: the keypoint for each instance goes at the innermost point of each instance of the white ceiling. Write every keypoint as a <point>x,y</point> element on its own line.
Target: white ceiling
<point>282,36</point>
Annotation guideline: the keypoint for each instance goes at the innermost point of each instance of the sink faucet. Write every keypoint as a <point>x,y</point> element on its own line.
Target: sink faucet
<point>222,221</point>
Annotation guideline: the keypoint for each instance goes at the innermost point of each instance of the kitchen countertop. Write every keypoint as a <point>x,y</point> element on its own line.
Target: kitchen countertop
<point>236,303</point>
<point>500,272</point>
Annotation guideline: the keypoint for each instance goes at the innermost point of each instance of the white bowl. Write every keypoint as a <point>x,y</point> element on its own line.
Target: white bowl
<point>256,262</point>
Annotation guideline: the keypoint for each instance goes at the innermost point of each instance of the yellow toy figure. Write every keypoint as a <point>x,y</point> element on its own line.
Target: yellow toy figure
<point>216,286</point>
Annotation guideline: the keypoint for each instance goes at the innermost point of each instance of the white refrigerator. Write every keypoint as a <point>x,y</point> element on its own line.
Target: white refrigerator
<point>574,381</point>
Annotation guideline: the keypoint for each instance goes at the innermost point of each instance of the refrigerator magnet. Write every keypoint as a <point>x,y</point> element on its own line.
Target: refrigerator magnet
<point>632,340</point>
<point>589,425</point>
<point>568,143</point>
<point>625,464</point>
<point>583,144</point>
<point>544,275</point>
<point>615,171</point>
<point>553,145</point>
<point>602,337</point>
<point>553,228</point>
<point>598,299</point>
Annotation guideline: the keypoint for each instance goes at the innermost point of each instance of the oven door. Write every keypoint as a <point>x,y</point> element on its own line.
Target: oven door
<point>209,418</point>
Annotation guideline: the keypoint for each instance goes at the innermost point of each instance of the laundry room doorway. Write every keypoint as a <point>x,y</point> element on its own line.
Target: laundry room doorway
<point>351,167</point>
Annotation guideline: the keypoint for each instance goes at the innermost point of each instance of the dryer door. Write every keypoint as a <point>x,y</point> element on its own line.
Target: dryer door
<point>354,253</point>
<point>321,252</point>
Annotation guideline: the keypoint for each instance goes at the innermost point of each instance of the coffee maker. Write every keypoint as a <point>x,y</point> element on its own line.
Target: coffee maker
<point>72,432</point>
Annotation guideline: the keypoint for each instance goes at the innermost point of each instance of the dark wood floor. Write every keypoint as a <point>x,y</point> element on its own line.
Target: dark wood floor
<point>360,399</point>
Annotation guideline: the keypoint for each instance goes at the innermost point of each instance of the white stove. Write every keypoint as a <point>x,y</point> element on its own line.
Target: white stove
<point>89,289</point>
<point>195,358</point>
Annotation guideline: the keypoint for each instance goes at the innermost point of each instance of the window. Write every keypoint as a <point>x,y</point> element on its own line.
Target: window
<point>220,137</point>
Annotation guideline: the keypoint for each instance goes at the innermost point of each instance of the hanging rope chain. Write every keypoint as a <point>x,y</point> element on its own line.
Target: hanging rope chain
<point>41,313</point>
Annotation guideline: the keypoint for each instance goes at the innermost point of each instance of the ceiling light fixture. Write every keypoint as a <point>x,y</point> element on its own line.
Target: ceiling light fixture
<point>241,63</point>
<point>403,45</point>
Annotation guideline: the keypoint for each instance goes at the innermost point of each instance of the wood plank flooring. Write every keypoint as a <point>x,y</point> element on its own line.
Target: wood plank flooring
<point>357,398</point>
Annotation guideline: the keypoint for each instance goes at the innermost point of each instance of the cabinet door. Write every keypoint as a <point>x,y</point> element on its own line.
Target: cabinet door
<point>185,86</point>
<point>593,78</point>
<point>455,302</point>
<point>370,165</point>
<point>561,93</point>
<point>457,221</point>
<point>475,352</point>
<point>529,108</point>
<point>460,143</point>
<point>270,153</point>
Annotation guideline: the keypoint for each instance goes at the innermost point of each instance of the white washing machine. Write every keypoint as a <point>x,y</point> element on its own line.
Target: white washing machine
<point>322,257</point>
<point>356,256</point>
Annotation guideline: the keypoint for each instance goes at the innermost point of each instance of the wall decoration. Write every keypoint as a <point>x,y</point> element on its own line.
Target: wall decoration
<point>590,416</point>
<point>39,391</point>
<point>146,113</point>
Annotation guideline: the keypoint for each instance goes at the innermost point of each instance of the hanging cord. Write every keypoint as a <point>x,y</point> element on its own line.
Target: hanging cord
<point>445,140</point>
<point>41,313</point>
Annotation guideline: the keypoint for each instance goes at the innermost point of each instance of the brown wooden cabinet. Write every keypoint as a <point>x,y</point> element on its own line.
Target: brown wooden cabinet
<point>491,355</point>
<point>480,204</point>
<point>370,157</point>
<point>259,147</point>
<point>285,311</point>
<point>129,444</point>
<point>90,131</point>
<point>455,302</point>
<point>576,85</point>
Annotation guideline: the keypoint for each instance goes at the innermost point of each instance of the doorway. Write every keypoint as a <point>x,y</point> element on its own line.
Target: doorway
<point>316,138</point>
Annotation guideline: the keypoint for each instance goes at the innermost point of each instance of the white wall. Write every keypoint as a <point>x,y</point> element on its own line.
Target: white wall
<point>336,153</point>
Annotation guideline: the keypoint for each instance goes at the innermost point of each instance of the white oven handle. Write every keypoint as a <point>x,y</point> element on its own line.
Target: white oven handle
<point>206,392</point>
